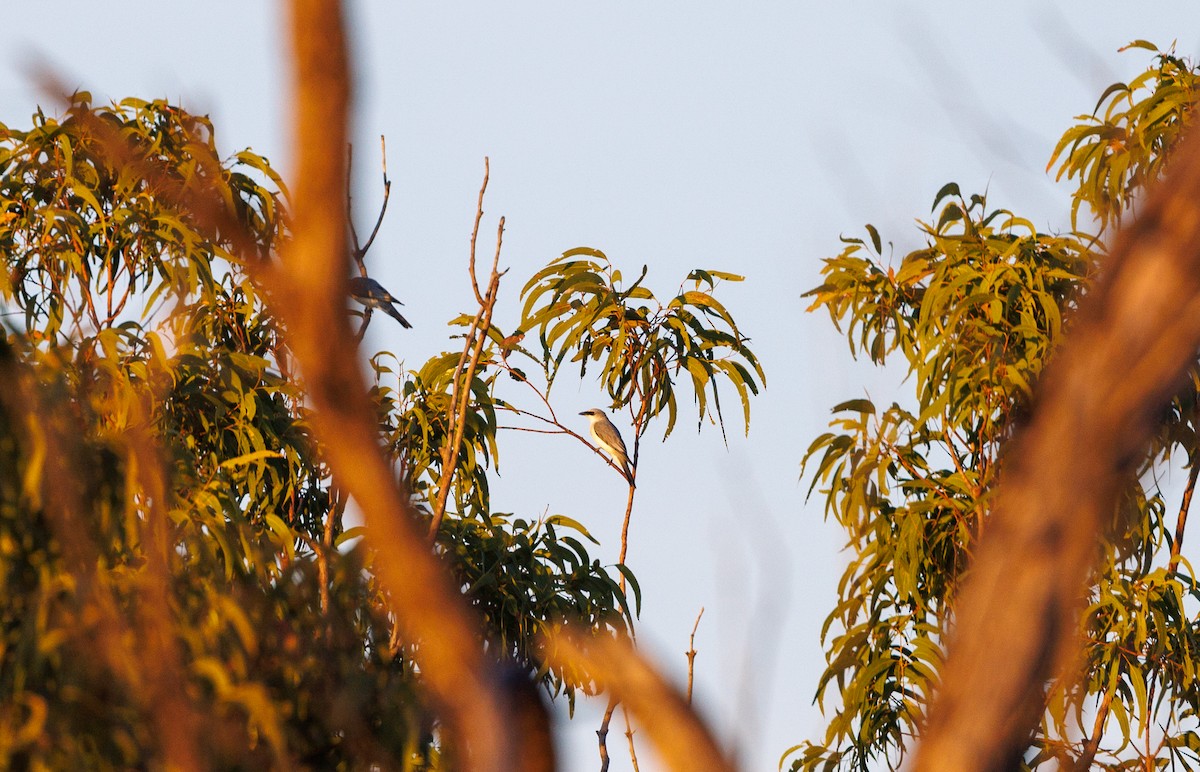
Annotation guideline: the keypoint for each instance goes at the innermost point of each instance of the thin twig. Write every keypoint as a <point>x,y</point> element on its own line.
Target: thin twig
<point>475,231</point>
<point>357,254</point>
<point>387,193</point>
<point>691,654</point>
<point>561,428</point>
<point>476,339</point>
<point>1181,522</point>
<point>629,738</point>
<point>1084,762</point>
<point>602,734</point>
<point>625,539</point>
<point>532,431</point>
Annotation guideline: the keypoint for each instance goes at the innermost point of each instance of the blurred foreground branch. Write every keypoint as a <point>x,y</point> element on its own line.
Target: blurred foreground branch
<point>308,294</point>
<point>1136,334</point>
<point>682,740</point>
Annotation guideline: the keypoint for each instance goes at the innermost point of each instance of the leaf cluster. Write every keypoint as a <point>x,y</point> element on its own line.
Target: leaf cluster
<point>581,310</point>
<point>174,553</point>
<point>1113,153</point>
<point>973,317</point>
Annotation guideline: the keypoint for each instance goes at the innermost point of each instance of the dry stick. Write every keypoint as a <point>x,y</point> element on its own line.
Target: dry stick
<point>1181,522</point>
<point>476,338</point>
<point>360,250</point>
<point>456,419</point>
<point>307,294</point>
<point>629,738</point>
<point>602,733</point>
<point>625,540</point>
<point>487,171</point>
<point>691,654</point>
<point>1089,424</point>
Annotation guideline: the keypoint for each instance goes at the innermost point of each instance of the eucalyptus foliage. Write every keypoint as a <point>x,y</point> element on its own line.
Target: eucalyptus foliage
<point>972,318</point>
<point>174,556</point>
<point>581,309</point>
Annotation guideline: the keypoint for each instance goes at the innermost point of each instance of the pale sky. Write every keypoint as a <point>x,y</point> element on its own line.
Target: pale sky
<point>729,135</point>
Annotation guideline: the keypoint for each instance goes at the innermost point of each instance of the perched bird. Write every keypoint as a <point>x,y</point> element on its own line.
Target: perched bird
<point>609,440</point>
<point>371,293</point>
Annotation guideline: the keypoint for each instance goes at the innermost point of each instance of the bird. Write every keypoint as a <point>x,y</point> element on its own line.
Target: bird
<point>372,294</point>
<point>609,439</point>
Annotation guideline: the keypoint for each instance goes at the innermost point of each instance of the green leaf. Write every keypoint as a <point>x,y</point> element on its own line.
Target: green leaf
<point>875,241</point>
<point>949,189</point>
<point>855,406</point>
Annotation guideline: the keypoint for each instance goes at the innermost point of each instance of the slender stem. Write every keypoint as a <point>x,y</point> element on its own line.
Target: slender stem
<point>625,539</point>
<point>476,339</point>
<point>1148,758</point>
<point>602,734</point>
<point>1181,522</point>
<point>1086,758</point>
<point>629,738</point>
<point>357,252</point>
<point>475,232</point>
<point>387,192</point>
<point>553,421</point>
<point>691,654</point>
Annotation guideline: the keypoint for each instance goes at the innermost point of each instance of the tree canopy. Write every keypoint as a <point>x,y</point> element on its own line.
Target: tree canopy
<point>973,318</point>
<point>182,584</point>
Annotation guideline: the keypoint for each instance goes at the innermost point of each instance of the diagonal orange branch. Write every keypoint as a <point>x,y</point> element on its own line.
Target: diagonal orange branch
<point>1136,334</point>
<point>307,293</point>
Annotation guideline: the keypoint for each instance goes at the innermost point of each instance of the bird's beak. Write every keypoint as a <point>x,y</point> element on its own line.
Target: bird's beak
<point>586,412</point>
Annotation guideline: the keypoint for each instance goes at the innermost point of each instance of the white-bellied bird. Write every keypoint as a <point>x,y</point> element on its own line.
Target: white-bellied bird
<point>372,294</point>
<point>609,440</point>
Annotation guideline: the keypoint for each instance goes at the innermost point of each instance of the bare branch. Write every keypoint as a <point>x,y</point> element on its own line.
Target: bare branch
<point>1181,520</point>
<point>475,340</point>
<point>1084,762</point>
<point>357,253</point>
<point>691,654</point>
<point>602,734</point>
<point>629,738</point>
<point>475,232</point>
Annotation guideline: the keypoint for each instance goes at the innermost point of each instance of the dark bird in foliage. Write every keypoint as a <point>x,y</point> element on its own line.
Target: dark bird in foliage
<point>372,294</point>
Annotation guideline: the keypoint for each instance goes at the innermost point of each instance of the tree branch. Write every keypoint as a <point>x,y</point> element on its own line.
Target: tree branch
<point>308,293</point>
<point>1134,337</point>
<point>1181,521</point>
<point>476,339</point>
<point>682,740</point>
<point>691,654</point>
